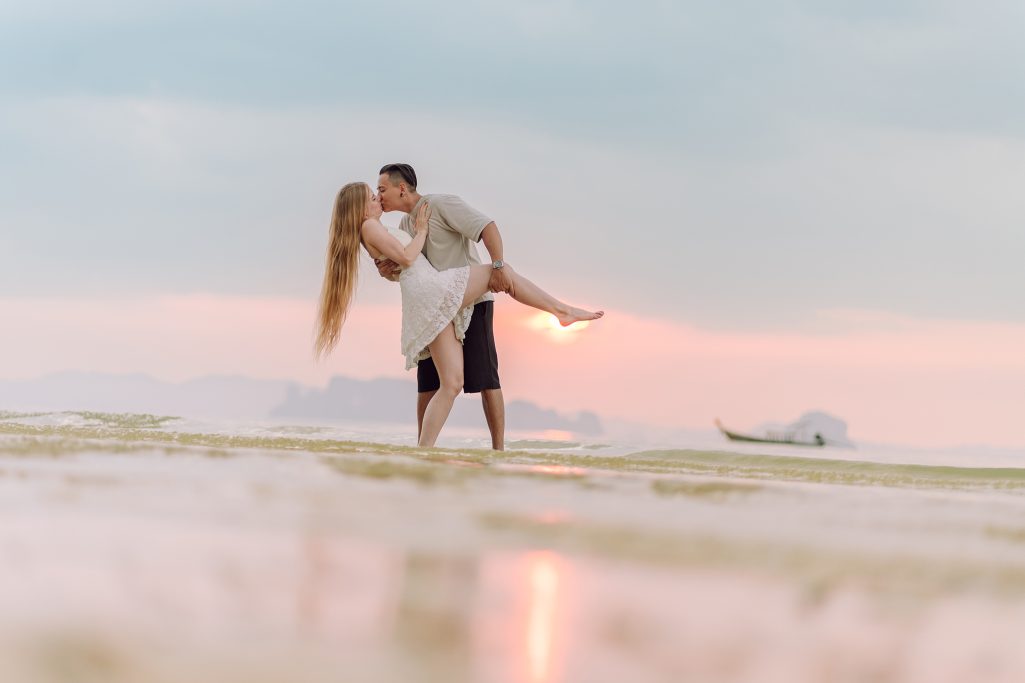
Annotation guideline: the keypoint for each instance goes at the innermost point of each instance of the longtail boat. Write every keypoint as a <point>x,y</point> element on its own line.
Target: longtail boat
<point>771,437</point>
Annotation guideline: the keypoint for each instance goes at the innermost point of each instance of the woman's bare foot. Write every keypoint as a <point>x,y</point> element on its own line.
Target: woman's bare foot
<point>576,315</point>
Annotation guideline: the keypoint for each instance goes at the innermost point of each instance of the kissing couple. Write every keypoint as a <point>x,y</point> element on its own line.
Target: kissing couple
<point>447,305</point>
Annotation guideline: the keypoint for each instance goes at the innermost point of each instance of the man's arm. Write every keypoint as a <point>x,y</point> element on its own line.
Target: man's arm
<point>388,269</point>
<point>500,281</point>
<point>465,220</point>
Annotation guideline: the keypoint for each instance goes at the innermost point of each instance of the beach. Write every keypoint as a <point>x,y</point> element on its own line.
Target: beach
<point>149,549</point>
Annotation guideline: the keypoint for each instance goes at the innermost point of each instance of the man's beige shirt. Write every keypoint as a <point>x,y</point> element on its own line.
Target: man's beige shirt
<point>455,230</point>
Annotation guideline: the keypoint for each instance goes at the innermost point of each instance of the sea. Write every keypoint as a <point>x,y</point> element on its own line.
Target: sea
<point>147,548</point>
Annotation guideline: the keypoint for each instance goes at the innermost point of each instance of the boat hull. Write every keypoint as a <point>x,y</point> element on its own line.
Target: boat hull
<point>735,436</point>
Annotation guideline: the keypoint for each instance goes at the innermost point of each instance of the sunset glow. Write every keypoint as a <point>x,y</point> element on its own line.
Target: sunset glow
<point>890,377</point>
<point>548,325</point>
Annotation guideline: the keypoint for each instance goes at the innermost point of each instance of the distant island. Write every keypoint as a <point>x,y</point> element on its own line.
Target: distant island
<point>380,400</point>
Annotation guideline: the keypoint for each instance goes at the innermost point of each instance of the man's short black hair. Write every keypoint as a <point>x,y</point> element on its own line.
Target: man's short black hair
<point>400,173</point>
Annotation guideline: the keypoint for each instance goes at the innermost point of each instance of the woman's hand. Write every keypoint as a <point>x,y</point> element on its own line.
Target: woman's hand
<point>423,217</point>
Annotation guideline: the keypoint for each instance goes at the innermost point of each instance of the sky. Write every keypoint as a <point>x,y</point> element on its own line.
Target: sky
<point>783,207</point>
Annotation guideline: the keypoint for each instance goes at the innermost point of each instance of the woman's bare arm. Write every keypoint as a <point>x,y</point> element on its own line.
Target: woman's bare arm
<point>378,237</point>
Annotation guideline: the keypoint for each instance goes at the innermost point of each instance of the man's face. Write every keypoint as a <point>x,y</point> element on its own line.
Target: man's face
<point>388,193</point>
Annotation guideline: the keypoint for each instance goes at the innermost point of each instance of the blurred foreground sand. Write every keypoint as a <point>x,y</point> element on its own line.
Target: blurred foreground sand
<point>146,563</point>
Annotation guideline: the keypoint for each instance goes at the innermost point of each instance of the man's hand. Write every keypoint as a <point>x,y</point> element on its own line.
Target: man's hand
<point>501,281</point>
<point>388,269</point>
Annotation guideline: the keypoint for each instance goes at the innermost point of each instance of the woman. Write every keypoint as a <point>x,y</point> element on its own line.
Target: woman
<point>436,305</point>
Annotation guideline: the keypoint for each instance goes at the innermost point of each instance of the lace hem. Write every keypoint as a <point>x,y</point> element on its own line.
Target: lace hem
<point>415,348</point>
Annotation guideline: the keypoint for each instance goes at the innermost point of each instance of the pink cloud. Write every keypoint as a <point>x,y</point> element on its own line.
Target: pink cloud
<point>893,378</point>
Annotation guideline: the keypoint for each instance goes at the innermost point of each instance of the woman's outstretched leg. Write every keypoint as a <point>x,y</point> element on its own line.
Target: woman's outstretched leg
<point>448,359</point>
<point>527,293</point>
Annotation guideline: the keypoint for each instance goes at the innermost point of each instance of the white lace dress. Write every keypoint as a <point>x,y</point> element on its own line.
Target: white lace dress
<point>431,299</point>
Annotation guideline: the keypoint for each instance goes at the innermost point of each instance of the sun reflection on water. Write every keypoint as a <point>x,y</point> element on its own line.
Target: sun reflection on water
<point>544,578</point>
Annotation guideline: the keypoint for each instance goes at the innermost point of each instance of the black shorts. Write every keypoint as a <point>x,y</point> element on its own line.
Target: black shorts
<point>480,360</point>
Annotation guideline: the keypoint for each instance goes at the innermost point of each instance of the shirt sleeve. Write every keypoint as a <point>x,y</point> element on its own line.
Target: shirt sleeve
<point>461,217</point>
<point>406,226</point>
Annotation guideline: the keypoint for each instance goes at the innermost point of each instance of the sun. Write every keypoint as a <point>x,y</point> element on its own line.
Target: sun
<point>549,325</point>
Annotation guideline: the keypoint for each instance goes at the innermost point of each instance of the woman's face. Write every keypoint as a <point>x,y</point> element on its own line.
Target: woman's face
<point>373,209</point>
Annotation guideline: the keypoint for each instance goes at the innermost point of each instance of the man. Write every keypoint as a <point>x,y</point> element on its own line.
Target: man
<point>455,227</point>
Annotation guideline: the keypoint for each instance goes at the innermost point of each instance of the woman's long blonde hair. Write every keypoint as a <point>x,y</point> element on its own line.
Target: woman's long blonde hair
<point>342,265</point>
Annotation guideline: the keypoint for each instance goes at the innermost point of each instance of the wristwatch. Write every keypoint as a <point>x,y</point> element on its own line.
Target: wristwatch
<point>497,264</point>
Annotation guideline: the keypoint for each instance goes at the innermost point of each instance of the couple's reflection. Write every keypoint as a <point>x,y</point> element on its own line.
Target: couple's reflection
<point>444,601</point>
<point>435,613</point>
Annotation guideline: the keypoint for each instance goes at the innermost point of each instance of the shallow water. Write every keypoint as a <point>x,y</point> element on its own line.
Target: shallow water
<point>143,548</point>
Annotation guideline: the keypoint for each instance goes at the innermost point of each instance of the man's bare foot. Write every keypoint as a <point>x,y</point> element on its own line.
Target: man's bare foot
<point>576,315</point>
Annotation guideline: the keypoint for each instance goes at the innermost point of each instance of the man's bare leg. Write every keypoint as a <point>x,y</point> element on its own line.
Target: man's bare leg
<point>422,399</point>
<point>494,413</point>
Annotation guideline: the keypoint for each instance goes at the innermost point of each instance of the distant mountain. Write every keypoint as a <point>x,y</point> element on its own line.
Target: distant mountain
<point>377,400</point>
<point>394,400</point>
<point>220,396</point>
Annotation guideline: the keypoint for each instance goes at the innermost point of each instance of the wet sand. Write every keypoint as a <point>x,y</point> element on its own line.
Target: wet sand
<point>132,552</point>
